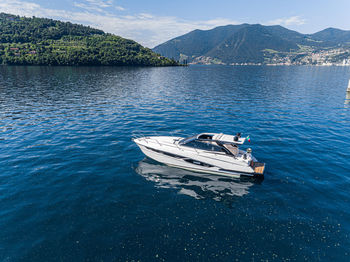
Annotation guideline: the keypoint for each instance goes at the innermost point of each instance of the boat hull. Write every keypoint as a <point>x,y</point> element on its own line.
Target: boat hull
<point>178,159</point>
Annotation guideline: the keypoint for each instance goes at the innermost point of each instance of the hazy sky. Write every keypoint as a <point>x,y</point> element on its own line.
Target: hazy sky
<point>152,22</point>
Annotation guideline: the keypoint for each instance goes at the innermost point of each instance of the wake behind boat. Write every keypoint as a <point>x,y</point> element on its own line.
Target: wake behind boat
<point>206,152</point>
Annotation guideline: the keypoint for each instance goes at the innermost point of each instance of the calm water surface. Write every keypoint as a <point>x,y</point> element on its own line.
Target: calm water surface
<point>73,187</point>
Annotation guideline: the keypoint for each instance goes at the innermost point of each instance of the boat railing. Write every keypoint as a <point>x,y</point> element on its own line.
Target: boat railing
<point>151,140</point>
<point>139,135</point>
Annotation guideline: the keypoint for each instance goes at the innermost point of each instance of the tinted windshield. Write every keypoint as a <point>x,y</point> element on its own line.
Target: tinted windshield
<point>204,146</point>
<point>187,139</point>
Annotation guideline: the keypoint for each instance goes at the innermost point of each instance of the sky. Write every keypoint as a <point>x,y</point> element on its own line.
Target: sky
<point>153,22</point>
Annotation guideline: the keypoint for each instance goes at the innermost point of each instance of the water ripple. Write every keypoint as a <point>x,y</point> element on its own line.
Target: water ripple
<point>73,186</point>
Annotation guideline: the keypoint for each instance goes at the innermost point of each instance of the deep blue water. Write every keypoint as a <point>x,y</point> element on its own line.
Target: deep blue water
<point>73,186</point>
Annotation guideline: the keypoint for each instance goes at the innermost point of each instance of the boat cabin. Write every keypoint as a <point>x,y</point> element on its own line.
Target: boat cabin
<point>215,142</point>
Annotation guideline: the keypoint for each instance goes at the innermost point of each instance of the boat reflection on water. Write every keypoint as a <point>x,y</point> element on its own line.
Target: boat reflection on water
<point>197,185</point>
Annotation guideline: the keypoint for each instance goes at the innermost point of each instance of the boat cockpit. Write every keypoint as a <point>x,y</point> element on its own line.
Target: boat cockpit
<point>226,144</point>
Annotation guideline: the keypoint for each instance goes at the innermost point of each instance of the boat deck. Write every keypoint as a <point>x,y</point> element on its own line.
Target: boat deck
<point>258,167</point>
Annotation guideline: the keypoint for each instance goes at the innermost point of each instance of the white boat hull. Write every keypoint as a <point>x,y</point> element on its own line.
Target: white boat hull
<point>182,164</point>
<point>192,160</point>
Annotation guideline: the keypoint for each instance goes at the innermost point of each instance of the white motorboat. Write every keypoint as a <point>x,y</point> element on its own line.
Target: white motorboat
<point>206,152</point>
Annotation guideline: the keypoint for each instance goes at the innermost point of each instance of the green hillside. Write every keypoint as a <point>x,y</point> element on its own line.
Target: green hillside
<point>41,41</point>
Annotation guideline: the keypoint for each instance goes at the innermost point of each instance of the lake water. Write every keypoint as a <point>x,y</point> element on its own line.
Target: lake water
<point>74,187</point>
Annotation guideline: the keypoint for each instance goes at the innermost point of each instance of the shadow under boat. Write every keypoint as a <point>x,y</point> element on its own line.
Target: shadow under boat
<point>197,185</point>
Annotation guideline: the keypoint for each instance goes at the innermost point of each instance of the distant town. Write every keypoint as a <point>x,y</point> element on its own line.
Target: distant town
<point>332,57</point>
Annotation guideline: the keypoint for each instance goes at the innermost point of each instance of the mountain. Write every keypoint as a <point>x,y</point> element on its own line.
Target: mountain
<point>197,42</point>
<point>41,41</point>
<point>247,45</point>
<point>333,35</point>
<point>256,44</point>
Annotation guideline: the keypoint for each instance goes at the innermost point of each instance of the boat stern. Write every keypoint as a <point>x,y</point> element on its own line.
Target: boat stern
<point>259,168</point>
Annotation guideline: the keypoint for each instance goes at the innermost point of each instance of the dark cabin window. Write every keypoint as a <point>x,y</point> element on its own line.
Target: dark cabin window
<point>204,146</point>
<point>205,136</point>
